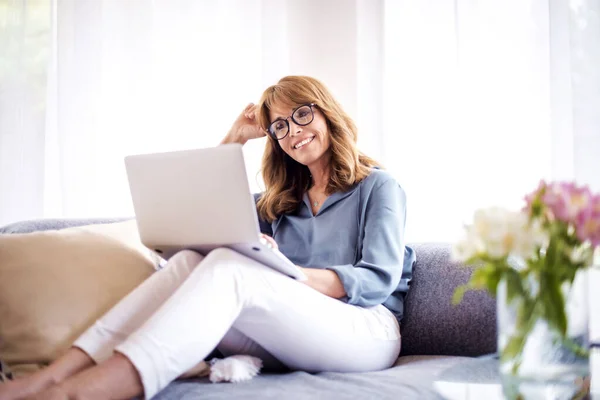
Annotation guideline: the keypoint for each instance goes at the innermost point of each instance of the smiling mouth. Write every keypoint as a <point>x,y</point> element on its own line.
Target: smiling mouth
<point>303,143</point>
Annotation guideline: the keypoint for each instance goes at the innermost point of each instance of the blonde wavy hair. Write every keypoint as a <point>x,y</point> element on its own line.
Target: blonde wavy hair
<point>285,179</point>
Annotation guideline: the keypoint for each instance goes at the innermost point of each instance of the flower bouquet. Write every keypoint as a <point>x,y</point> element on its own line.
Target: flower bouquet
<point>534,262</point>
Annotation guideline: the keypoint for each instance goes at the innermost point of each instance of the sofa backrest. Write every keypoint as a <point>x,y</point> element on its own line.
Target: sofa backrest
<point>50,224</point>
<point>432,325</point>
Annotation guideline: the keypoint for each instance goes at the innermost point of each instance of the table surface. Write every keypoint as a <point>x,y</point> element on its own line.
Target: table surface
<point>479,379</point>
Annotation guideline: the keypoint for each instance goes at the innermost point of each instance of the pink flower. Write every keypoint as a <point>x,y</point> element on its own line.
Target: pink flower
<point>567,200</point>
<point>532,200</point>
<point>595,203</point>
<point>588,226</point>
<point>570,204</point>
<point>588,222</point>
<point>580,200</point>
<point>555,199</point>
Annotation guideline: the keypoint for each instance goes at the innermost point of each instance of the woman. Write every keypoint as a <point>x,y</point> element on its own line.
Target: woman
<point>328,208</point>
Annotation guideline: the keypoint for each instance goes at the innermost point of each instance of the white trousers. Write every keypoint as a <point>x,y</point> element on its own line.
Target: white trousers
<point>225,300</point>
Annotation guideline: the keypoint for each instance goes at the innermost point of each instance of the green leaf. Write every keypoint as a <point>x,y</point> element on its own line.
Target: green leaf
<point>494,275</point>
<point>526,318</point>
<point>486,277</point>
<point>513,348</point>
<point>514,285</point>
<point>459,293</point>
<point>551,253</point>
<point>553,303</point>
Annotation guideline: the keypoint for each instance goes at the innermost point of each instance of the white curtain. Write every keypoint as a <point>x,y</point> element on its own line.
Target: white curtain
<point>468,102</point>
<point>25,46</point>
<point>484,98</point>
<point>137,76</point>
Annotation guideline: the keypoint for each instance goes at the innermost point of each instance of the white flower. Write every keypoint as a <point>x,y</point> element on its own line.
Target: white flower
<point>499,233</point>
<point>497,229</point>
<point>466,248</point>
<point>533,237</point>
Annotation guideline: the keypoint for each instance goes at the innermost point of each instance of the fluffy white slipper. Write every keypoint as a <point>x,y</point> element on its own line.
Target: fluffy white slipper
<point>236,368</point>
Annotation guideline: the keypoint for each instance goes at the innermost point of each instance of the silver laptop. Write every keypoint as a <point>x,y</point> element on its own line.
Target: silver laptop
<point>200,200</point>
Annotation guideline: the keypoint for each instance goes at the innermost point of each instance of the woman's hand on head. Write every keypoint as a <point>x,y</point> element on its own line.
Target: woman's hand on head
<point>245,127</point>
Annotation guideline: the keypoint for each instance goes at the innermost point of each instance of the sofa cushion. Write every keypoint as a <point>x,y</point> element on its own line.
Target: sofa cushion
<point>432,325</point>
<point>410,378</point>
<point>54,284</point>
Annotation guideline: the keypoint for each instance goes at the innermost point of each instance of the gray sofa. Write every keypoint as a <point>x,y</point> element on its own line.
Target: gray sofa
<point>435,336</point>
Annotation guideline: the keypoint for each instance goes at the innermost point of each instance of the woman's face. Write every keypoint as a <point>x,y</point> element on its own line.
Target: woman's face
<point>308,144</point>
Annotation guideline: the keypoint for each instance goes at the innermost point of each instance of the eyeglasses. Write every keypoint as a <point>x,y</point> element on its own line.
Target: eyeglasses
<point>302,116</point>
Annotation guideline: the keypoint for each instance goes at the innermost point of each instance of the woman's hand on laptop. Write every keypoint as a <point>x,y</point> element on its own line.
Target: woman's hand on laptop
<point>325,281</point>
<point>269,241</point>
<point>245,127</point>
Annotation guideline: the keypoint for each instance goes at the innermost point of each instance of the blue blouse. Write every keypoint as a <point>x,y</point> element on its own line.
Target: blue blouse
<point>359,234</point>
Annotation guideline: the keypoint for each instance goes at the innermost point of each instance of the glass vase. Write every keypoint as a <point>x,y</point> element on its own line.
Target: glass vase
<point>546,366</point>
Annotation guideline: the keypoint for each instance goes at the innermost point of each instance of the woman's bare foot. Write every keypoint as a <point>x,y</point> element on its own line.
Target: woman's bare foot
<point>115,378</point>
<point>24,387</point>
<point>72,362</point>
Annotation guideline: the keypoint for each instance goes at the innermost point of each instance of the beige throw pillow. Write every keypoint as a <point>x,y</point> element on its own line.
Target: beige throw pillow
<point>55,284</point>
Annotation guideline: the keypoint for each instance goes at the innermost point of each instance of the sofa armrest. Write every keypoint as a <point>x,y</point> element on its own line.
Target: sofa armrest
<point>432,325</point>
